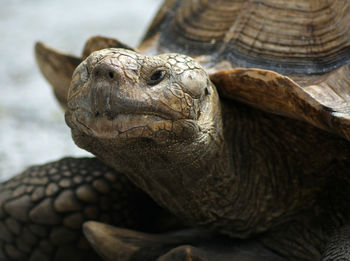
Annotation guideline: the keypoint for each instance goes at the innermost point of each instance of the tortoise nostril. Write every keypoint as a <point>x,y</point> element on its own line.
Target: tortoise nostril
<point>105,72</point>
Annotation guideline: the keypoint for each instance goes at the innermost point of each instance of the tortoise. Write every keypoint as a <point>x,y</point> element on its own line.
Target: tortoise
<point>230,123</point>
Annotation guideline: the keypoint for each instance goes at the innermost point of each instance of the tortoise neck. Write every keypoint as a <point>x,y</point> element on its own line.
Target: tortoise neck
<point>311,230</point>
<point>184,173</point>
<point>183,177</point>
<point>279,169</point>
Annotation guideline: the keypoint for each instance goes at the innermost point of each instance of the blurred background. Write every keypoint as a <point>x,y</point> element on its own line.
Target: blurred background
<point>32,128</point>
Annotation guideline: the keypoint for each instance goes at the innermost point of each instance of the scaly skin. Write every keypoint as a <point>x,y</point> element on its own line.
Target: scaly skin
<point>43,209</point>
<point>220,165</point>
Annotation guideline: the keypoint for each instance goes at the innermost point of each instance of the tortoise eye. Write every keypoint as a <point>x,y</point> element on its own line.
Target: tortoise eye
<point>156,77</point>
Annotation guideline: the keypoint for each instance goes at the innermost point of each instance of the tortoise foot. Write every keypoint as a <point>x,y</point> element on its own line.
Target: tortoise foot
<point>119,244</point>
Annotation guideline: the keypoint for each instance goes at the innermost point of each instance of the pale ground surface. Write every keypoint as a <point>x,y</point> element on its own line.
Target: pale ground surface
<point>32,128</point>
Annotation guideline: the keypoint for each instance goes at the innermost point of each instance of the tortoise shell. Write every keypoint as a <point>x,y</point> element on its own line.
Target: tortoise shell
<point>289,37</point>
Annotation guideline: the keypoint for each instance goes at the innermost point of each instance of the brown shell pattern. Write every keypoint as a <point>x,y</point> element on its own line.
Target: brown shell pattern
<point>289,37</point>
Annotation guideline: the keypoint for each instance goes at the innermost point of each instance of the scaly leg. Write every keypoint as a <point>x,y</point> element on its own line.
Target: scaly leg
<point>43,209</point>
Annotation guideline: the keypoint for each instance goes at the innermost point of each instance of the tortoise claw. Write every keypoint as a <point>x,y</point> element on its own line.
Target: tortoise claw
<point>185,252</point>
<point>57,68</point>
<point>120,244</point>
<point>113,243</point>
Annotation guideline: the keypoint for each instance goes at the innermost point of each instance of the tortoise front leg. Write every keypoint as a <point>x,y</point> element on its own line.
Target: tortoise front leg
<point>118,244</point>
<point>43,209</point>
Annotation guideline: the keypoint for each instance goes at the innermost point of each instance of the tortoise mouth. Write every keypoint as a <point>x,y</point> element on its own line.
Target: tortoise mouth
<point>122,125</point>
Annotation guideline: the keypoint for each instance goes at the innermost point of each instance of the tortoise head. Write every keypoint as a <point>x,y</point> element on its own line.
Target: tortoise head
<point>121,102</point>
